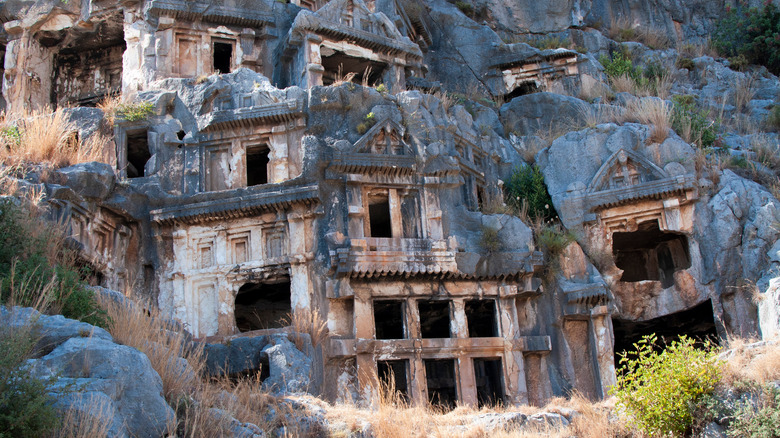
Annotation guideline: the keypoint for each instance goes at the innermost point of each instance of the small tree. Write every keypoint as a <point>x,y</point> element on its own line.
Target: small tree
<point>526,186</point>
<point>659,391</point>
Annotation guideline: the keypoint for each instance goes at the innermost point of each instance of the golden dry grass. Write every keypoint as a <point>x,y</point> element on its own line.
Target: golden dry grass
<point>42,136</point>
<point>192,396</point>
<point>310,323</point>
<point>748,360</point>
<point>743,92</point>
<point>624,29</point>
<point>77,423</point>
<point>653,112</point>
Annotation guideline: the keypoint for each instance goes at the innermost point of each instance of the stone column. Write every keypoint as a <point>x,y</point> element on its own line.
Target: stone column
<point>278,155</point>
<point>28,70</point>
<point>603,349</point>
<point>312,61</point>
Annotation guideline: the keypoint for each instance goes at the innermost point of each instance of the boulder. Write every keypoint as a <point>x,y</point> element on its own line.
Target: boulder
<point>541,112</point>
<point>121,373</point>
<point>52,331</point>
<point>290,369</point>
<point>90,180</point>
<point>239,355</point>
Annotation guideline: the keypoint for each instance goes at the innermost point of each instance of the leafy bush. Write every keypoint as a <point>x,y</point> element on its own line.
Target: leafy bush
<point>368,121</point>
<point>773,119</point>
<point>466,8</point>
<point>693,124</point>
<point>134,112</point>
<point>489,240</point>
<point>526,187</point>
<point>620,64</point>
<point>685,62</point>
<point>553,239</point>
<point>758,416</point>
<point>36,270</point>
<point>753,33</point>
<point>26,409</point>
<point>660,390</point>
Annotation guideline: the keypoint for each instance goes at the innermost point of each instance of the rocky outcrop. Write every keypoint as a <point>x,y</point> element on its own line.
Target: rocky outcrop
<point>110,382</point>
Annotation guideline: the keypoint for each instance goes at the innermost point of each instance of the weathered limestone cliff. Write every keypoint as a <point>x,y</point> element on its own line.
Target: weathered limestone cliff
<point>348,160</point>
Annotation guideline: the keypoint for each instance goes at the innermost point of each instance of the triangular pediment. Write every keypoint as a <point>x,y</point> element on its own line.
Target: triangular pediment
<point>386,137</point>
<point>625,169</point>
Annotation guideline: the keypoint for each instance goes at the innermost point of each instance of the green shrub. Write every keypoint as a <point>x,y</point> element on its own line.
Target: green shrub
<point>620,64</point>
<point>553,239</point>
<point>551,42</point>
<point>489,240</point>
<point>659,391</point>
<point>686,63</point>
<point>757,416</point>
<point>738,63</point>
<point>381,88</point>
<point>693,124</point>
<point>465,7</point>
<point>135,112</point>
<point>369,120</point>
<point>37,271</point>
<point>773,118</point>
<point>751,32</point>
<point>26,409</point>
<point>526,187</point>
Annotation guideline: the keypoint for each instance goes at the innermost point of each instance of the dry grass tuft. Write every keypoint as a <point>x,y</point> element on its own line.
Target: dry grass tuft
<point>654,112</point>
<point>193,398</point>
<point>623,29</point>
<point>744,91</point>
<point>79,423</point>
<point>310,323</point>
<point>750,360</point>
<point>154,337</point>
<point>695,50</point>
<point>109,105</point>
<point>42,136</point>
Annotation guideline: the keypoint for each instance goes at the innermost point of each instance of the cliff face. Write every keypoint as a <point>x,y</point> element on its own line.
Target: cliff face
<point>348,161</point>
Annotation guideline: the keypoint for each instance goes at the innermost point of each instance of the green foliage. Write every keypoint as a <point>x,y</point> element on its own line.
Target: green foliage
<point>489,240</point>
<point>659,391</point>
<point>526,187</point>
<point>465,7</point>
<point>35,270</point>
<point>738,63</point>
<point>11,135</point>
<point>751,32</point>
<point>135,112</point>
<point>369,120</point>
<point>685,62</point>
<point>773,118</point>
<point>381,88</point>
<point>757,416</point>
<point>26,409</point>
<point>553,239</point>
<point>687,118</point>
<point>620,64</point>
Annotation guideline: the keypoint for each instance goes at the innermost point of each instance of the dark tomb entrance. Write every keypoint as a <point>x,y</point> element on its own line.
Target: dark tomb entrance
<point>650,254</point>
<point>488,373</point>
<point>697,323</point>
<point>263,305</point>
<point>442,386</point>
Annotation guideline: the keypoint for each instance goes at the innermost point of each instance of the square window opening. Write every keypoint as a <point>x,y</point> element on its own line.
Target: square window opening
<point>223,56</point>
<point>379,218</point>
<point>263,305</point>
<point>137,153</point>
<point>392,376</point>
<point>481,317</point>
<point>389,319</point>
<point>434,319</point>
<point>257,159</point>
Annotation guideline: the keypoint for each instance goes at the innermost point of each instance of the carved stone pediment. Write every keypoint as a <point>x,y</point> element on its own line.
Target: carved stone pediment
<point>384,138</point>
<point>625,169</point>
